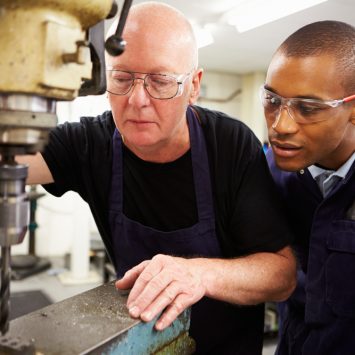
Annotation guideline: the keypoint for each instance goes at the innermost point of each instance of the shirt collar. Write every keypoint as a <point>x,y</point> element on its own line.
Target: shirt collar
<point>341,172</point>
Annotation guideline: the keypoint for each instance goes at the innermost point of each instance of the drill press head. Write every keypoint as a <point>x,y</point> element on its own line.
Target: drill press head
<point>45,56</point>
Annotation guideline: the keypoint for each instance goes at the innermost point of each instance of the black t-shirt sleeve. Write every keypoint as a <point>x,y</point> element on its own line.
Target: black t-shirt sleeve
<point>79,156</point>
<point>63,154</point>
<point>249,211</point>
<point>258,222</point>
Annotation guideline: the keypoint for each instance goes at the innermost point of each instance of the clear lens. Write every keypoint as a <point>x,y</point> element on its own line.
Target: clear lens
<point>158,86</point>
<point>119,82</point>
<point>270,101</point>
<point>301,110</point>
<point>161,86</point>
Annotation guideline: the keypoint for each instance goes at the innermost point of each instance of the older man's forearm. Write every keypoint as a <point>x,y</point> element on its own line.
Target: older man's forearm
<point>249,280</point>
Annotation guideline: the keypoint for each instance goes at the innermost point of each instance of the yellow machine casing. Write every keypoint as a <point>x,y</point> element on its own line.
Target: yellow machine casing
<point>43,45</point>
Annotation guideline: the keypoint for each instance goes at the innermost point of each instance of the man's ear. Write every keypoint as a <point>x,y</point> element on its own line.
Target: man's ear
<point>352,117</point>
<point>196,84</point>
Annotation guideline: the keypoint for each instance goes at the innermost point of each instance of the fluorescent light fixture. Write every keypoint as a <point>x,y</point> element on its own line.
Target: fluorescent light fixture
<point>203,36</point>
<point>249,14</point>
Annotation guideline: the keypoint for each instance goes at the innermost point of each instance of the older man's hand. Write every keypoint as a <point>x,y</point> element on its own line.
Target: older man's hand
<point>164,283</point>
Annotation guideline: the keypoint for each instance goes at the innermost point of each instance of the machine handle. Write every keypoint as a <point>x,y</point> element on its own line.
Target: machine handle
<point>115,44</point>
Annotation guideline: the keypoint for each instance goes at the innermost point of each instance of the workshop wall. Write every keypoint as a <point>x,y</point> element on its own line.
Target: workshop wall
<point>221,92</point>
<point>252,112</point>
<point>236,95</point>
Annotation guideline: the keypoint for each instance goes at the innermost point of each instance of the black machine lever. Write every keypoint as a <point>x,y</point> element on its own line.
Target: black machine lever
<point>115,45</point>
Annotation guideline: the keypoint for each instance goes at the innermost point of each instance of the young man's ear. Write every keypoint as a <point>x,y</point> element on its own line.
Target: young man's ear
<point>196,84</point>
<point>352,118</point>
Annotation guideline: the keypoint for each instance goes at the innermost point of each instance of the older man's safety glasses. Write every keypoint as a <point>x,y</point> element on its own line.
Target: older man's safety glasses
<point>301,110</point>
<point>158,86</point>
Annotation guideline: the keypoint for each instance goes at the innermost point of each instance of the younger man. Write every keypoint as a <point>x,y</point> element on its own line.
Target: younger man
<point>309,104</point>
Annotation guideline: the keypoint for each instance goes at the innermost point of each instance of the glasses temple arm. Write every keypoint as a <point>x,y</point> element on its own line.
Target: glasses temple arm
<point>349,98</point>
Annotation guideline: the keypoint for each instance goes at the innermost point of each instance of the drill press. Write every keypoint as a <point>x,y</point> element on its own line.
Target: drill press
<point>45,57</point>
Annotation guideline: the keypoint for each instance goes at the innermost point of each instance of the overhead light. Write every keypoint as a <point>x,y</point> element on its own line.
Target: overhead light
<point>203,35</point>
<point>249,14</point>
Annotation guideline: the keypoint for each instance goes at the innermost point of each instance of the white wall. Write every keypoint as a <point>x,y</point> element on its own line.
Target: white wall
<point>252,112</point>
<point>217,90</point>
<point>81,106</point>
<point>246,106</point>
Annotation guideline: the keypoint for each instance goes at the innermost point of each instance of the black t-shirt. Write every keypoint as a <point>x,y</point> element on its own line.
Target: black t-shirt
<point>161,196</point>
<point>248,211</point>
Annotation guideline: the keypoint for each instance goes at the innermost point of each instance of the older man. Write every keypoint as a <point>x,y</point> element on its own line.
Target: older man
<point>182,196</point>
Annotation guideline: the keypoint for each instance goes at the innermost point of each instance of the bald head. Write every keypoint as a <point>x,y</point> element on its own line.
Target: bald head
<point>331,38</point>
<point>161,29</point>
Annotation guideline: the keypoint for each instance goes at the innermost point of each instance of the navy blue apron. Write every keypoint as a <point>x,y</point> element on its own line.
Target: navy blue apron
<point>211,321</point>
<point>319,317</point>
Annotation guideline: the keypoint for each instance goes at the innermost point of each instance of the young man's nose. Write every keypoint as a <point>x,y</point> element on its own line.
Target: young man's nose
<point>284,122</point>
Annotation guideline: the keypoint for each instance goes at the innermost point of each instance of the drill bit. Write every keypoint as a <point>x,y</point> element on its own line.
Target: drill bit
<point>5,289</point>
